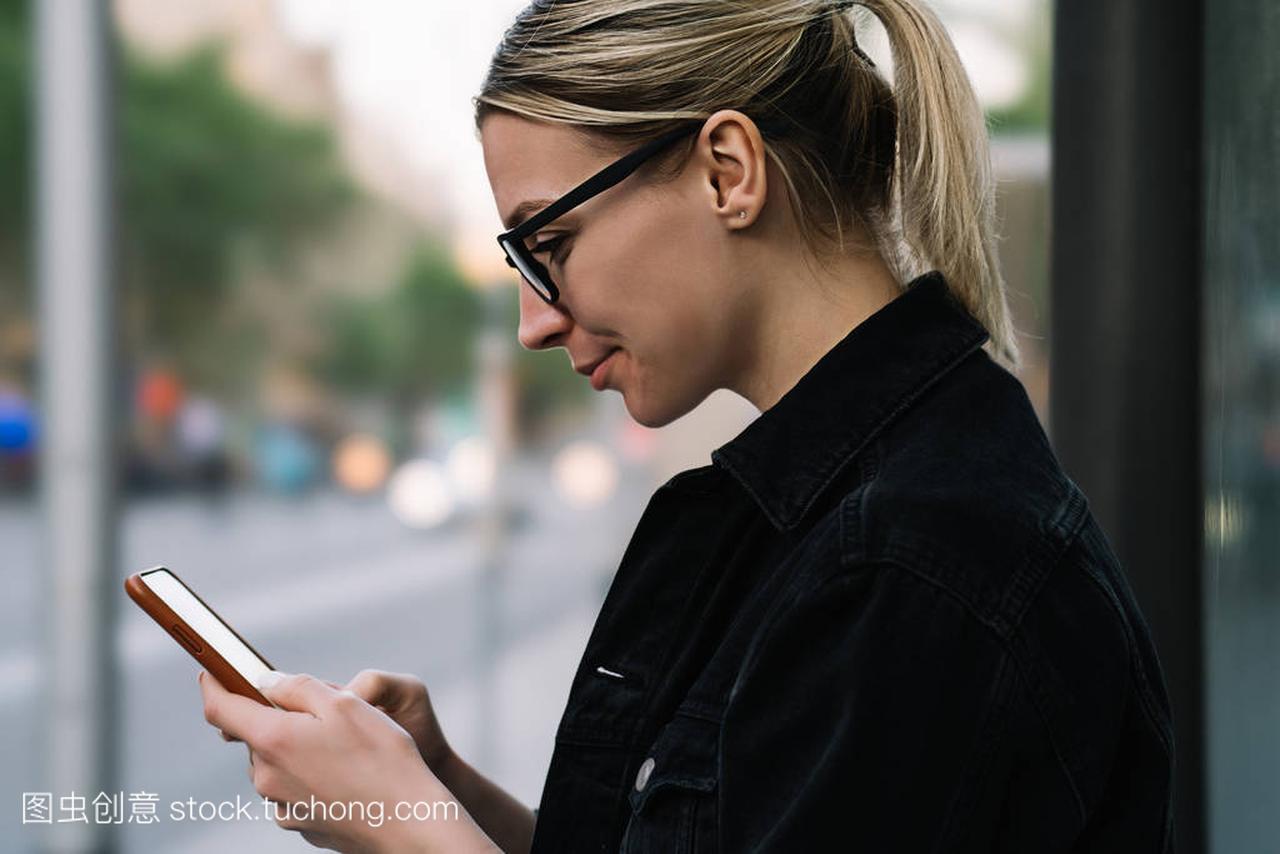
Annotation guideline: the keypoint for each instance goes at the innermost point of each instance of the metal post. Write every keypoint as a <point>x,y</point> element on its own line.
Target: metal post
<point>77,347</point>
<point>496,402</point>
<point>1126,284</point>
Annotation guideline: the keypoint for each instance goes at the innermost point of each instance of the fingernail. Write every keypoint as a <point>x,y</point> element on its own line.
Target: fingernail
<point>268,679</point>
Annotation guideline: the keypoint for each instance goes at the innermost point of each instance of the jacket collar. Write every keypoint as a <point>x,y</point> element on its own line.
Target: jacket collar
<point>794,449</point>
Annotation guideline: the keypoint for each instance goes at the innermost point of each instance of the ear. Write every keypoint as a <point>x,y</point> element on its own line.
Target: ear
<point>732,154</point>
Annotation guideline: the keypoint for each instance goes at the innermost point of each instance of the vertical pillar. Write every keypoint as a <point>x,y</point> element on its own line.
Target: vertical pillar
<point>1126,281</point>
<point>73,148</point>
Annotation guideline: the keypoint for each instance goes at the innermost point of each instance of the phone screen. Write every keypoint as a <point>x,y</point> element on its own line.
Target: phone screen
<point>205,623</point>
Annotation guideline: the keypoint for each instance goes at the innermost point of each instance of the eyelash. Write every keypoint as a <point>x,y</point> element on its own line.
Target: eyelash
<point>550,245</point>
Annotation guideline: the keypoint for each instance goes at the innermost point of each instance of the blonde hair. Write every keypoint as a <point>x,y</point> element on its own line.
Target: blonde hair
<point>906,166</point>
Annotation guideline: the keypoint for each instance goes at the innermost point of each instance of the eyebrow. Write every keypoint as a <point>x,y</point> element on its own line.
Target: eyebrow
<point>522,211</point>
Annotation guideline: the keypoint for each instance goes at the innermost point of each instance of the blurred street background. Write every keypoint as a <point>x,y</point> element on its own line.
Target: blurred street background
<point>324,423</point>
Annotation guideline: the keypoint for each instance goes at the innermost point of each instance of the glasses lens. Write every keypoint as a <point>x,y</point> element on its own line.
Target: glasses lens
<point>533,272</point>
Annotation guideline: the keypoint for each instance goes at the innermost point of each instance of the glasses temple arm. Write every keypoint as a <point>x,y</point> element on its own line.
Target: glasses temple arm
<point>598,183</point>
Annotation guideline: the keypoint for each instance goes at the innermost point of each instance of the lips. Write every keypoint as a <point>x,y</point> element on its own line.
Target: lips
<point>597,368</point>
<point>587,369</point>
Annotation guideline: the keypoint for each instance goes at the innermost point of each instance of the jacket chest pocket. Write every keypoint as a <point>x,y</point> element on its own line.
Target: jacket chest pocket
<point>673,793</point>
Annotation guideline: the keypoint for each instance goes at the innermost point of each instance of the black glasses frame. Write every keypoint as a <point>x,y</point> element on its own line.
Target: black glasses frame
<point>520,255</point>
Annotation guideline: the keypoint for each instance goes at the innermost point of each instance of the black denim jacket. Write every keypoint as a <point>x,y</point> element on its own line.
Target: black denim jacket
<point>882,619</point>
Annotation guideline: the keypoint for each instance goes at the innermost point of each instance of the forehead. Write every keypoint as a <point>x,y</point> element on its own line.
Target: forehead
<point>528,160</point>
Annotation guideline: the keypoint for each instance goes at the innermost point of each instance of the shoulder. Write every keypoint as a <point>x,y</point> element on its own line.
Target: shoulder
<point>960,488</point>
<point>961,515</point>
<point>959,504</point>
<point>964,490</point>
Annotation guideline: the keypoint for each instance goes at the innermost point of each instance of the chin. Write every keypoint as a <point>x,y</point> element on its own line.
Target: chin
<point>658,413</point>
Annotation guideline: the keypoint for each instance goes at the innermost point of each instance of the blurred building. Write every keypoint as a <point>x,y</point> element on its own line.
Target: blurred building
<point>294,79</point>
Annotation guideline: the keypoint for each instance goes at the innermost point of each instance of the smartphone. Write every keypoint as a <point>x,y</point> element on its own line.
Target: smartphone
<point>199,630</point>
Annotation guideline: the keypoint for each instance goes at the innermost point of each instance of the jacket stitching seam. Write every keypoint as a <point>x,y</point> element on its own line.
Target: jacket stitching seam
<point>995,725</point>
<point>932,376</point>
<point>1005,642</point>
<point>1050,736</point>
<point>934,373</point>
<point>1138,672</point>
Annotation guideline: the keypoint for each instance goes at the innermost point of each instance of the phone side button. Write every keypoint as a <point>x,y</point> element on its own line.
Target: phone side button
<point>186,639</point>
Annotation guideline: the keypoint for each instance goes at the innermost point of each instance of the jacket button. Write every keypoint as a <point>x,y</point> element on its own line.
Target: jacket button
<point>642,776</point>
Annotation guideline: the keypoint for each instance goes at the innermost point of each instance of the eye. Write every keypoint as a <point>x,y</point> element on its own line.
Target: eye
<point>551,245</point>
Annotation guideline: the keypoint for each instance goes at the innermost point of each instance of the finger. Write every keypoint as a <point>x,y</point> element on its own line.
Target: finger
<point>233,714</point>
<point>297,692</point>
<point>372,686</point>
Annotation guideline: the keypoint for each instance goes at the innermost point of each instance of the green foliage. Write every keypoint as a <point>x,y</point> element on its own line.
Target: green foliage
<point>413,342</point>
<point>547,385</point>
<point>209,180</point>
<point>545,381</point>
<point>15,83</point>
<point>206,180</point>
<point>1034,112</point>
<point>210,184</point>
<point>419,341</point>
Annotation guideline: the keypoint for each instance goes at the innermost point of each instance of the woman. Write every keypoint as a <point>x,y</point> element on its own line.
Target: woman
<point>882,618</point>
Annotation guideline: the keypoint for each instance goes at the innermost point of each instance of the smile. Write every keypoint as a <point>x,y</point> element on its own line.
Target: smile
<point>598,373</point>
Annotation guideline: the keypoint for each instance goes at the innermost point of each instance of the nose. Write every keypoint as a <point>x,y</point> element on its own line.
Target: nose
<point>542,325</point>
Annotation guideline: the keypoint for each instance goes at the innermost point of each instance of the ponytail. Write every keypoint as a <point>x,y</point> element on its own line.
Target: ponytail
<point>944,180</point>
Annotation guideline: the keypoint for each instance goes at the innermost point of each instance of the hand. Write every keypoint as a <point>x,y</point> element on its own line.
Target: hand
<point>226,736</point>
<point>325,747</point>
<point>405,700</point>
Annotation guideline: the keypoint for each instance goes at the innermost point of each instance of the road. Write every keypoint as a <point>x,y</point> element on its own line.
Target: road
<point>327,584</point>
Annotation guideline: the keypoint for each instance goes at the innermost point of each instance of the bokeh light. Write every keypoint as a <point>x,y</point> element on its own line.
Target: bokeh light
<point>419,494</point>
<point>584,473</point>
<point>361,463</point>
<point>471,466</point>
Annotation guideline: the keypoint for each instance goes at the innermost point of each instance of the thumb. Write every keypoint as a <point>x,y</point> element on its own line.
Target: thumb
<point>296,692</point>
<point>375,687</point>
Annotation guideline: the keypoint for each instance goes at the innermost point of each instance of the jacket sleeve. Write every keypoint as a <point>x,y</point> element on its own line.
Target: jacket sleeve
<point>865,717</point>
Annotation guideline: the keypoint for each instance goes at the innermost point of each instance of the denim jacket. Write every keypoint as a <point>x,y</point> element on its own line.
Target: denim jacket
<point>882,619</point>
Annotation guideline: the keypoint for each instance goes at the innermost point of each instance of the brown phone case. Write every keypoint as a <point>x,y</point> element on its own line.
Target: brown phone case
<point>187,637</point>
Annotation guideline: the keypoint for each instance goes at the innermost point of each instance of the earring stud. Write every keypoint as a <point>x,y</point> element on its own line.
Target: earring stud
<point>742,214</point>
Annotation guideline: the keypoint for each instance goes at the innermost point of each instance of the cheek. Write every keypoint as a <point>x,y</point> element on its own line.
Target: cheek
<point>664,298</point>
<point>676,261</point>
<point>660,282</point>
<point>674,353</point>
<point>685,280</point>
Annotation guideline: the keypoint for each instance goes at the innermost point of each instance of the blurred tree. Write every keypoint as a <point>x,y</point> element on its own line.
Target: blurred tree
<point>1033,111</point>
<point>15,82</point>
<point>545,383</point>
<point>208,181</point>
<point>547,386</point>
<point>409,344</point>
<point>416,344</point>
<point>211,184</point>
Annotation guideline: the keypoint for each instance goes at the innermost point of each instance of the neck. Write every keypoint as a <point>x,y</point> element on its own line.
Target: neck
<point>809,309</point>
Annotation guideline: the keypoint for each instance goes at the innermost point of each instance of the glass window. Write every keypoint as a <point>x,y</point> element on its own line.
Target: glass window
<point>1242,422</point>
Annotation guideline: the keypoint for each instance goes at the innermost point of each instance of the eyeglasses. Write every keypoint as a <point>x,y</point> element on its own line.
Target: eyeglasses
<point>520,255</point>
